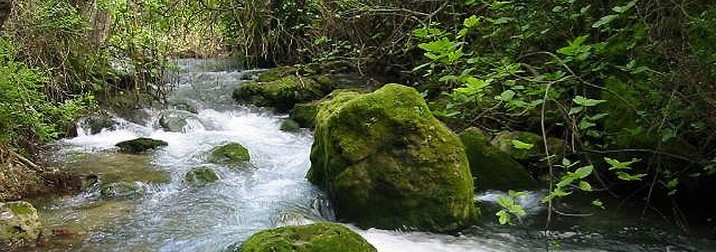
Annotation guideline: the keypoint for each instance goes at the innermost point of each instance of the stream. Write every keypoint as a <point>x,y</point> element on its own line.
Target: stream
<point>173,216</point>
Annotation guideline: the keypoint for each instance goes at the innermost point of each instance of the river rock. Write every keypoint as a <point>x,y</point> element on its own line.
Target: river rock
<point>98,121</point>
<point>317,237</point>
<point>283,93</point>
<point>229,154</point>
<point>122,190</point>
<point>19,223</point>
<point>175,120</point>
<point>140,145</point>
<point>386,162</point>
<point>504,141</point>
<point>492,167</point>
<point>200,176</point>
<point>305,114</point>
<point>290,125</point>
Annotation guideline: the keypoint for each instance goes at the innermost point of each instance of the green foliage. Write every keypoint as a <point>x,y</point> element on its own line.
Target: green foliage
<point>570,180</point>
<point>611,76</point>
<point>510,208</point>
<point>27,115</point>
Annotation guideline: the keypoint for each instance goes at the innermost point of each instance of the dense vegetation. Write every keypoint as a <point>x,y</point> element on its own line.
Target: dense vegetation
<point>629,85</point>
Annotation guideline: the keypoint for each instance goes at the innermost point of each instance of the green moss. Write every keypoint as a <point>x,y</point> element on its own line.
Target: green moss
<point>277,73</point>
<point>200,176</point>
<point>386,149</point>
<point>290,125</point>
<point>140,145</point>
<point>20,207</point>
<point>229,154</point>
<point>21,226</point>
<point>285,92</point>
<point>493,168</point>
<point>503,141</point>
<point>318,237</point>
<point>305,114</point>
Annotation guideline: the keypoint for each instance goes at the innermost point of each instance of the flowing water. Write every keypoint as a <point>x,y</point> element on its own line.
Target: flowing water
<point>173,216</point>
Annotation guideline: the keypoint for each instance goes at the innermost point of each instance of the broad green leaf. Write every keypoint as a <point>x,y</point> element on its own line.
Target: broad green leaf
<point>515,194</point>
<point>505,201</point>
<point>504,217</point>
<point>628,177</point>
<point>586,124</point>
<point>566,162</point>
<point>575,110</point>
<point>507,95</point>
<point>605,20</point>
<point>598,203</point>
<point>581,100</point>
<point>521,145</point>
<point>471,22</point>
<point>585,186</point>
<point>617,165</point>
<point>625,8</point>
<point>583,172</point>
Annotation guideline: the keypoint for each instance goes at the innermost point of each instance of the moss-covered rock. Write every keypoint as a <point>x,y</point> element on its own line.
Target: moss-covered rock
<point>493,168</point>
<point>290,125</point>
<point>386,162</point>
<point>97,121</point>
<point>118,167</point>
<point>175,120</point>
<point>317,237</point>
<point>277,73</point>
<point>229,154</point>
<point>504,141</point>
<point>284,92</point>
<point>19,223</point>
<point>122,190</point>
<point>140,145</point>
<point>305,114</point>
<point>200,176</point>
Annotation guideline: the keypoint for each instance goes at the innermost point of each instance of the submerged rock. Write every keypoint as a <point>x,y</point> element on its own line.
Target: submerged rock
<point>122,190</point>
<point>200,176</point>
<point>229,154</point>
<point>290,125</point>
<point>19,223</point>
<point>175,120</point>
<point>118,167</point>
<point>386,162</point>
<point>140,145</point>
<point>317,237</point>
<point>493,168</point>
<point>284,92</point>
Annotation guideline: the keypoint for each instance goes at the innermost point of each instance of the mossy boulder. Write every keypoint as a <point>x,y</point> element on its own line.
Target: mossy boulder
<point>120,190</point>
<point>175,120</point>
<point>229,154</point>
<point>386,162</point>
<point>290,125</point>
<point>284,92</point>
<point>19,224</point>
<point>97,121</point>
<point>492,167</point>
<point>305,114</point>
<point>277,73</point>
<point>117,167</point>
<point>504,141</point>
<point>317,237</point>
<point>200,176</point>
<point>140,145</point>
